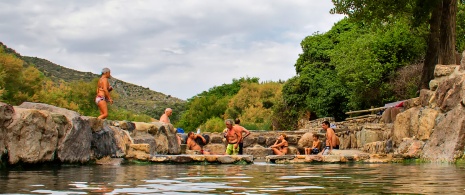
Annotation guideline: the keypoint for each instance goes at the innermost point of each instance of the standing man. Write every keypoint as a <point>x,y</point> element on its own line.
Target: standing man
<point>232,137</point>
<point>241,130</point>
<point>165,118</point>
<point>332,141</point>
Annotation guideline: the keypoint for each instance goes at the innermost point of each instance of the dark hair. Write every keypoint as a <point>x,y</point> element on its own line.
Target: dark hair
<point>237,121</point>
<point>326,123</point>
<point>190,133</point>
<point>316,135</point>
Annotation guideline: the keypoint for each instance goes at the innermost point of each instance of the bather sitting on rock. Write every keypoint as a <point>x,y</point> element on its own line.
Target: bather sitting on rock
<point>280,147</point>
<point>316,146</point>
<point>193,145</point>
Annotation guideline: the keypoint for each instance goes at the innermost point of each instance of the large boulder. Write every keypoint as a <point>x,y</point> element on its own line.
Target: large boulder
<point>426,123</point>
<point>258,151</point>
<point>108,140</point>
<point>450,93</point>
<point>74,145</point>
<point>462,62</point>
<point>306,140</point>
<point>161,137</point>
<point>447,141</point>
<point>370,133</point>
<point>32,137</point>
<point>406,123</point>
<point>6,118</point>
<point>410,148</point>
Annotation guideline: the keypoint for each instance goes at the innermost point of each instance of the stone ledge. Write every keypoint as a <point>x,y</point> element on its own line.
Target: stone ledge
<point>214,159</point>
<point>338,156</point>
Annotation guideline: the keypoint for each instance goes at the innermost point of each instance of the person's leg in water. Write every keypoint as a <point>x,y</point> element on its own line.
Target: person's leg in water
<point>102,105</point>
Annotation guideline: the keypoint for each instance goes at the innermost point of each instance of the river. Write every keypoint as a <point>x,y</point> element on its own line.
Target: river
<point>258,178</point>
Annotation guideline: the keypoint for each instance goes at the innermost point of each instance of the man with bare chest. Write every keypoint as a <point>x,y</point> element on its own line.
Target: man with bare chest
<point>232,137</point>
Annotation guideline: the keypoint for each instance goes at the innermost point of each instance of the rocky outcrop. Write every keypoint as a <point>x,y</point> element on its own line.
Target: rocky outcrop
<point>74,133</point>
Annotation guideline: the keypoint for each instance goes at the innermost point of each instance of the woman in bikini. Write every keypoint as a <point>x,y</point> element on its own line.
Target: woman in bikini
<point>103,93</point>
<point>280,147</point>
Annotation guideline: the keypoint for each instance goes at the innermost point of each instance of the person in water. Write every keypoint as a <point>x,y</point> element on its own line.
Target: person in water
<point>103,93</point>
<point>280,147</point>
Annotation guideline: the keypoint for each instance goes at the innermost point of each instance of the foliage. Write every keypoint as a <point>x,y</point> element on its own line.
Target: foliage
<point>348,68</point>
<point>209,104</point>
<point>214,124</point>
<point>461,27</point>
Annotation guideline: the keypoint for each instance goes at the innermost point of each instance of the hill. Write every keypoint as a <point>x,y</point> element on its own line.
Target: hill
<point>132,97</point>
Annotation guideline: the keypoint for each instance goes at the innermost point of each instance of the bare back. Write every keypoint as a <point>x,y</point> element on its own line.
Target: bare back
<point>331,139</point>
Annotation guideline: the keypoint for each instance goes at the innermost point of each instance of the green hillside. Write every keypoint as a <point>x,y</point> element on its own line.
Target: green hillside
<point>131,97</point>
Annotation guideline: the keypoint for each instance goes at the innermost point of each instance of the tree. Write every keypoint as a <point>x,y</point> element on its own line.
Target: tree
<point>440,14</point>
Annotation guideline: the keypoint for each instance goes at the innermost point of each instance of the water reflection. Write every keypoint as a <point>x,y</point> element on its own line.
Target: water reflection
<point>259,178</point>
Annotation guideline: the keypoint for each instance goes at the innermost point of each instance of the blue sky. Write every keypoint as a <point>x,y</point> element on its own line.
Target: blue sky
<point>177,47</point>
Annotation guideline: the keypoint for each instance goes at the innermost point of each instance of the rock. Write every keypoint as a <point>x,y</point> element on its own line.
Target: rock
<point>32,137</point>
<point>447,141</point>
<point>368,135</point>
<point>142,128</point>
<point>426,97</point>
<point>353,141</point>
<point>413,102</point>
<point>127,125</point>
<point>405,124</point>
<point>450,93</point>
<point>426,123</point>
<point>215,148</point>
<point>226,159</point>
<point>258,151</point>
<point>108,140</point>
<point>166,137</point>
<point>261,140</point>
<point>410,148</point>
<point>443,70</point>
<point>109,161</point>
<point>138,151</point>
<point>331,158</point>
<point>6,118</point>
<point>250,141</point>
<point>292,139</point>
<point>147,139</point>
<point>6,114</point>
<point>378,147</point>
<point>75,143</point>
<point>181,159</point>
<point>216,138</point>
<point>306,140</point>
<point>344,141</point>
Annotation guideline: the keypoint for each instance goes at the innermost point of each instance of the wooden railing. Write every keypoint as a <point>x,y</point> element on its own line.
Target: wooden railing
<point>372,111</point>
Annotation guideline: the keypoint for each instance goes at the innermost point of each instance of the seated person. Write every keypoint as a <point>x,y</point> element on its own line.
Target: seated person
<point>315,149</point>
<point>280,147</point>
<point>193,145</point>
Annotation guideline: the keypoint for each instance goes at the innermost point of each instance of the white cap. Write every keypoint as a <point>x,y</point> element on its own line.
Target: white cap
<point>105,70</point>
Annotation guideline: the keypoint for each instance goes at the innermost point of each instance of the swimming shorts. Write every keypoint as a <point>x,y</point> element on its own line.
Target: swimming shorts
<point>327,149</point>
<point>231,150</point>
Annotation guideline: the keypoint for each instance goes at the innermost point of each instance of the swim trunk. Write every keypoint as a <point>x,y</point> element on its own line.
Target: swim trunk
<point>315,151</point>
<point>98,99</point>
<point>327,149</point>
<point>230,150</point>
<point>241,146</point>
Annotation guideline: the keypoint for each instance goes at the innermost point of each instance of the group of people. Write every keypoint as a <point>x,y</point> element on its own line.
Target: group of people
<point>234,132</point>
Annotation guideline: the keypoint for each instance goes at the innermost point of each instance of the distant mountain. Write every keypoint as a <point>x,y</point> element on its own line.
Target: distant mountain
<point>132,97</point>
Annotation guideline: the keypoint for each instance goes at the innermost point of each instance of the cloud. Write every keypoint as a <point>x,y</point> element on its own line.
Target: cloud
<point>180,48</point>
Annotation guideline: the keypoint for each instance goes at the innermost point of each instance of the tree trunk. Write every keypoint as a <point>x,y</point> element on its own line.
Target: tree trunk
<point>447,41</point>
<point>433,47</point>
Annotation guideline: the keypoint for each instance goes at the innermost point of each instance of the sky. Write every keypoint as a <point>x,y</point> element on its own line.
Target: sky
<point>176,47</point>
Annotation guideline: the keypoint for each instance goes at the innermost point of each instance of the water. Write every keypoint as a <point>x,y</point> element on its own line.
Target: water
<point>259,178</point>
